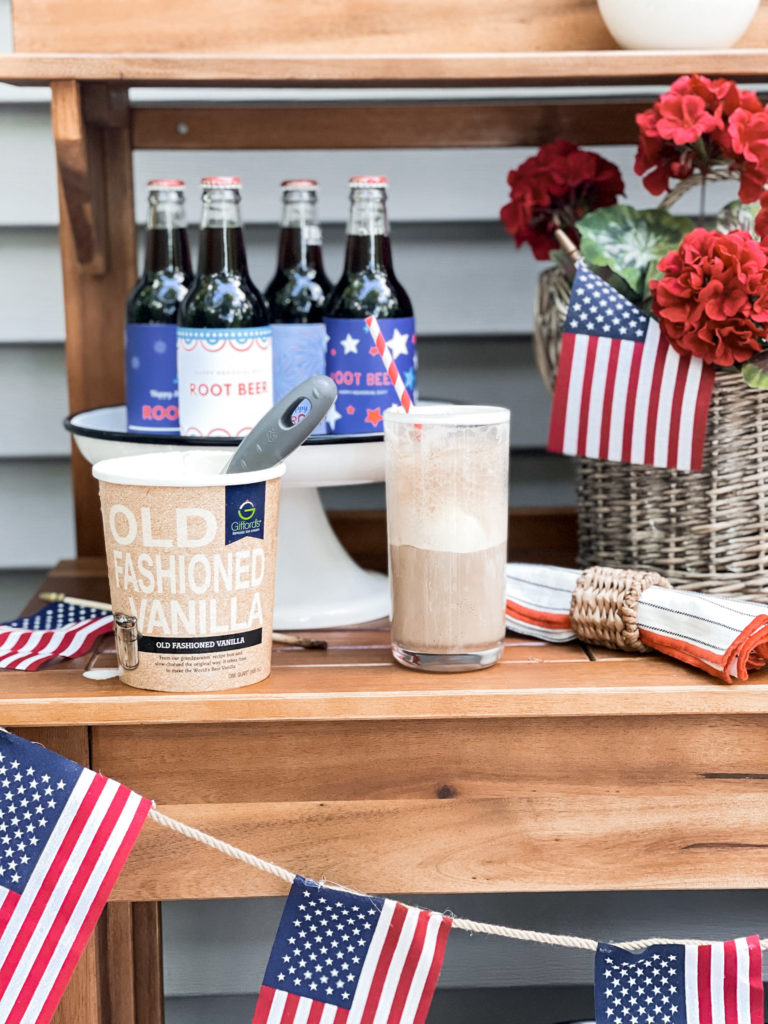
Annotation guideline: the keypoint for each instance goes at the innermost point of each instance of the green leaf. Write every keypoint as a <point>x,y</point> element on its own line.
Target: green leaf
<point>737,216</point>
<point>631,242</point>
<point>755,372</point>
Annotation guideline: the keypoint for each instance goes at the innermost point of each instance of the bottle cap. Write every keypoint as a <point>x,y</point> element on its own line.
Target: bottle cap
<point>369,181</point>
<point>220,183</point>
<point>304,183</point>
<point>158,183</point>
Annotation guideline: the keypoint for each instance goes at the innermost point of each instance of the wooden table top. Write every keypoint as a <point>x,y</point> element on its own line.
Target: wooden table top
<point>356,679</point>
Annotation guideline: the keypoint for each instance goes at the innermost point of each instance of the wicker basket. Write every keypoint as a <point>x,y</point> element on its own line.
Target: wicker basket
<point>705,531</point>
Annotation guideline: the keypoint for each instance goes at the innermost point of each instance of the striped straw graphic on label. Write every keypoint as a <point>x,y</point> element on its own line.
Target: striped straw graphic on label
<point>389,363</point>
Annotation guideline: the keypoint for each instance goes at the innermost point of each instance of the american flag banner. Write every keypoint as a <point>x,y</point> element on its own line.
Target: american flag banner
<point>55,631</point>
<point>623,393</point>
<point>719,983</point>
<point>65,834</point>
<point>342,958</point>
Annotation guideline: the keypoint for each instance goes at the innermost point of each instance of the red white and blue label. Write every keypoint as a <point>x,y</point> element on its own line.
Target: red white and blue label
<point>353,362</point>
<point>298,352</point>
<point>151,383</point>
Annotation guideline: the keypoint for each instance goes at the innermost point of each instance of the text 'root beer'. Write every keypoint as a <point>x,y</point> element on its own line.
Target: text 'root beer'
<point>224,338</point>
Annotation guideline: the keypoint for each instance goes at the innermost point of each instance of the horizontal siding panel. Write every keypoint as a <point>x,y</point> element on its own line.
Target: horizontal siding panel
<point>486,371</point>
<point>36,512</point>
<point>463,278</point>
<point>34,401</point>
<point>429,186</point>
<point>16,588</point>
<point>449,1006</point>
<point>225,947</point>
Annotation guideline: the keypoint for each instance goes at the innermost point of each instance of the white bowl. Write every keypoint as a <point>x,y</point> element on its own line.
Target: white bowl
<point>677,24</point>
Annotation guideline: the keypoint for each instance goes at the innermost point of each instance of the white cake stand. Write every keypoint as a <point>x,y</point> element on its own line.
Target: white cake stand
<point>317,584</point>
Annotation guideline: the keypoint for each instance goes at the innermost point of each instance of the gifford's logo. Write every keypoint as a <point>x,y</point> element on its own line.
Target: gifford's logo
<point>245,508</point>
<point>247,511</point>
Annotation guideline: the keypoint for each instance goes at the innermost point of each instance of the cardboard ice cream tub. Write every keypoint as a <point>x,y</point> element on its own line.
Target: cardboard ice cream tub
<point>191,560</point>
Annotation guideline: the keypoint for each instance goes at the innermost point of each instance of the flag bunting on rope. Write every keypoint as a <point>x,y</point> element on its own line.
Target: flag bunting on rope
<point>719,983</point>
<point>65,834</point>
<point>55,631</point>
<point>623,393</point>
<point>344,958</point>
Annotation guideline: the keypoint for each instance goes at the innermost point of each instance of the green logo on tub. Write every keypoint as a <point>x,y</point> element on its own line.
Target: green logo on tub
<point>244,511</point>
<point>247,511</point>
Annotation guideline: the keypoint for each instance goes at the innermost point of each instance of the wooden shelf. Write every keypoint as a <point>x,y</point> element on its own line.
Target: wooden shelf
<point>545,68</point>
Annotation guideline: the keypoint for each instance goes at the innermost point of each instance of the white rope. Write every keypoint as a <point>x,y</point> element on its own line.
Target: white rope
<point>519,934</point>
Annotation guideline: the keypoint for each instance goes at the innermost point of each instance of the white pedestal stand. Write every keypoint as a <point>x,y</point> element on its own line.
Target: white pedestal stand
<point>317,583</point>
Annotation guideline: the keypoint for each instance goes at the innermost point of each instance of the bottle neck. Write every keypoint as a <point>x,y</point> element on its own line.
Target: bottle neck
<point>222,245</point>
<point>368,232</point>
<point>167,244</point>
<point>300,235</point>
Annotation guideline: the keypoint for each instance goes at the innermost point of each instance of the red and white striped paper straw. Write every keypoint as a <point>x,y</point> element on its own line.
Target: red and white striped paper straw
<point>389,364</point>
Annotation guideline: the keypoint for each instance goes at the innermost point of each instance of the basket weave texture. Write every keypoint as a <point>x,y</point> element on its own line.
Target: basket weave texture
<point>704,531</point>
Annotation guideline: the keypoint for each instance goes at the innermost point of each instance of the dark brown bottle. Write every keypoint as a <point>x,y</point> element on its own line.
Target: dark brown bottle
<point>224,339</point>
<point>297,293</point>
<point>151,386</point>
<point>368,287</point>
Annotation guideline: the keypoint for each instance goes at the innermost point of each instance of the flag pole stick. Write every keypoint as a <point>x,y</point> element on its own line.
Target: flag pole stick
<point>568,246</point>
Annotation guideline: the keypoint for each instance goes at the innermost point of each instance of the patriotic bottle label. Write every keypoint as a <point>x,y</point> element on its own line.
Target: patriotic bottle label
<point>225,379</point>
<point>365,389</point>
<point>151,386</point>
<point>298,353</point>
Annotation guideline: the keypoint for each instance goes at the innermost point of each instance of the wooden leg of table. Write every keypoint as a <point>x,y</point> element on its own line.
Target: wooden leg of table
<point>91,128</point>
<point>81,1002</point>
<point>148,963</point>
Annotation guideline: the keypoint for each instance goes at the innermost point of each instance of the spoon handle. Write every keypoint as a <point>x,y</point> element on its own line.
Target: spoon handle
<point>275,435</point>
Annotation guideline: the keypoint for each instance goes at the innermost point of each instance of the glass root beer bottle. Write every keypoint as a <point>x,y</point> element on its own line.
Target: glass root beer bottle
<point>297,293</point>
<point>151,386</point>
<point>224,338</point>
<point>368,286</point>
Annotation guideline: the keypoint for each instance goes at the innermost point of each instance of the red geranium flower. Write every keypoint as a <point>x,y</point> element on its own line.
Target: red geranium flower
<point>553,189</point>
<point>713,299</point>
<point>702,123</point>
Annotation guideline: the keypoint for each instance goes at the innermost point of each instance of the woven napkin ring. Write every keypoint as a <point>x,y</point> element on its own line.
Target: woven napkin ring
<point>604,606</point>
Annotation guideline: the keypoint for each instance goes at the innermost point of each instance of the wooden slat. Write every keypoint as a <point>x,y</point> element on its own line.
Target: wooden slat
<point>148,963</point>
<point>510,689</point>
<point>412,125</point>
<point>94,300</point>
<point>383,26</point>
<point>460,68</point>
<point>519,844</point>
<point>435,760</point>
<point>371,27</point>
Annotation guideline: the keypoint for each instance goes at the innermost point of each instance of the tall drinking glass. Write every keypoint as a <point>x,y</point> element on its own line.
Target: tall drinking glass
<point>447,469</point>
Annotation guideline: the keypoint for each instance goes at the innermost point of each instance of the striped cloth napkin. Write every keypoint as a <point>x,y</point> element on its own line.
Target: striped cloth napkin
<point>724,637</point>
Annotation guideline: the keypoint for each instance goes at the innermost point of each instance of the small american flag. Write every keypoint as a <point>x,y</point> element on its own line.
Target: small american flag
<point>341,958</point>
<point>57,630</point>
<point>720,983</point>
<point>65,833</point>
<point>622,392</point>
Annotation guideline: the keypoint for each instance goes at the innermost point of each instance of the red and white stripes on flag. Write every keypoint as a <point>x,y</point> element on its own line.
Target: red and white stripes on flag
<point>64,851</point>
<point>623,393</point>
<point>56,631</point>
<point>723,982</point>
<point>346,958</point>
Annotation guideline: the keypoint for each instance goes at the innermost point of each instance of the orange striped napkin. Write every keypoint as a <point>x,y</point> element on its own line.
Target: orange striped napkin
<point>724,637</point>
